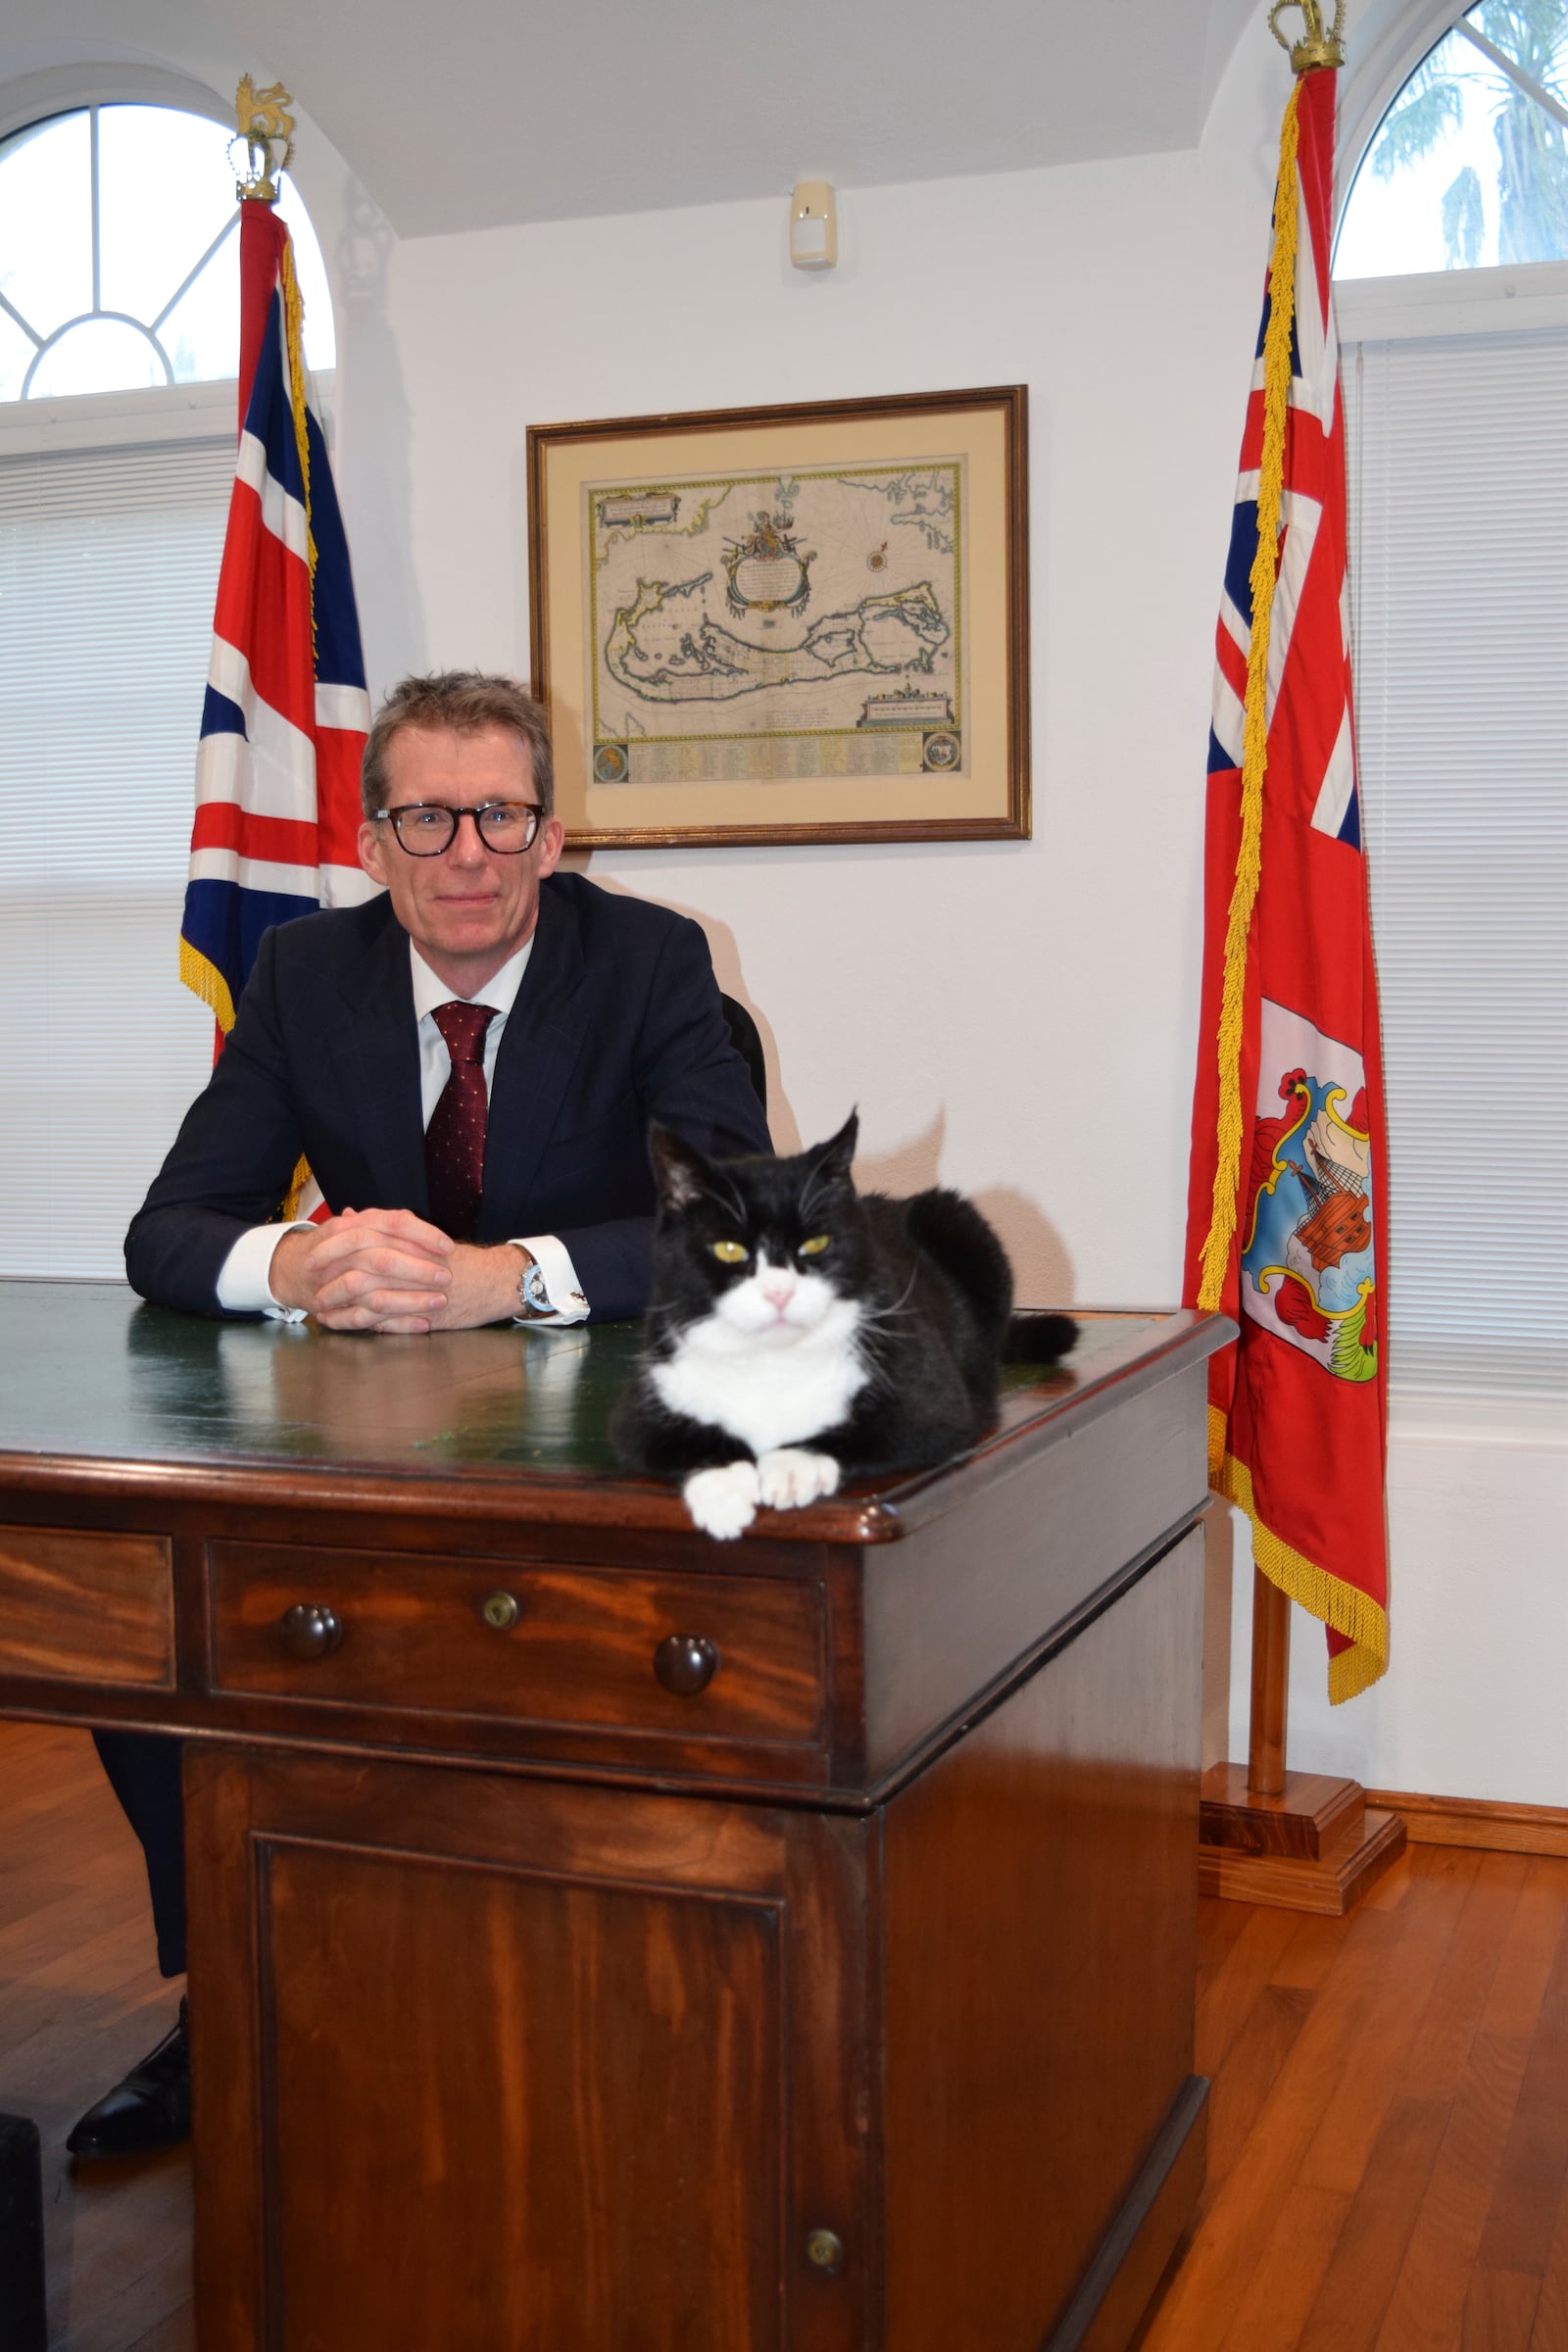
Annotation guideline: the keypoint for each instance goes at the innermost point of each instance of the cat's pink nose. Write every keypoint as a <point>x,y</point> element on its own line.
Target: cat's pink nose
<point>777,1288</point>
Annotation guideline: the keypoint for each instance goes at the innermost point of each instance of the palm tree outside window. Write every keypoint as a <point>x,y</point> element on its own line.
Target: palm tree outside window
<point>1469,167</point>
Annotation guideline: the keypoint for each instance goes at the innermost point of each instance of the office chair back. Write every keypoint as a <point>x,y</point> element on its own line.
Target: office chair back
<point>747,1040</point>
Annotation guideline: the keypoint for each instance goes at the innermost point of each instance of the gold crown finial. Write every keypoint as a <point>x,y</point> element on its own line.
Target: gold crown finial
<point>1315,48</point>
<point>267,132</point>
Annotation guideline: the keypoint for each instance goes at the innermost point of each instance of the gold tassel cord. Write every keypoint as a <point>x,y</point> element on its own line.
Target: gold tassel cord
<point>294,323</point>
<point>294,327</point>
<point>1255,753</point>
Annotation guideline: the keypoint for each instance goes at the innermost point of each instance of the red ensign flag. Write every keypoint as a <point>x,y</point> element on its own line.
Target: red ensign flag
<point>1288,1208</point>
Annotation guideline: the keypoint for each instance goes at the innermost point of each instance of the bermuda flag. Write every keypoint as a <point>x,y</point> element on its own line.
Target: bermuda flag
<point>1287,1206</point>
<point>278,771</point>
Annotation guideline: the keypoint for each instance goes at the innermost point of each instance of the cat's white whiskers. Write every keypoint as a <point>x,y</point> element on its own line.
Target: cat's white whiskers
<point>887,1314</point>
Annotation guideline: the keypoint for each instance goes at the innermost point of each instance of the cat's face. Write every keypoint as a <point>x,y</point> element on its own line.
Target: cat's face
<point>764,1252</point>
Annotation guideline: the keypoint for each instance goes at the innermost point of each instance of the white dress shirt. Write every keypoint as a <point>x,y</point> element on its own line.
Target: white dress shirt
<point>243,1286</point>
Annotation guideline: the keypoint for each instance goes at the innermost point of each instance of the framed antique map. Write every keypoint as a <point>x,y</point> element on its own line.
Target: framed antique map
<point>790,625</point>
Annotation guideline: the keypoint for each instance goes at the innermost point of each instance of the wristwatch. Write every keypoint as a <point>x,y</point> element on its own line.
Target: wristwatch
<point>533,1296</point>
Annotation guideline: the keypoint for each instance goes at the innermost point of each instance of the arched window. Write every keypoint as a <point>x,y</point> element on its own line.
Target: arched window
<point>1469,167</point>
<point>119,255</point>
<point>1451,294</point>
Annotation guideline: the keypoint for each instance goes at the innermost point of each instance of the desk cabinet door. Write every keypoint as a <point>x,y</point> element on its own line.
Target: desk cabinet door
<point>521,2066</point>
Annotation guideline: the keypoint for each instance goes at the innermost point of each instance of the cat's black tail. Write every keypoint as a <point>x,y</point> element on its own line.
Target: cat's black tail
<point>1037,1338</point>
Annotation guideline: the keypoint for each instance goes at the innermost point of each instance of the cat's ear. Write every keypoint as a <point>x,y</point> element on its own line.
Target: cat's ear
<point>832,1159</point>
<point>679,1173</point>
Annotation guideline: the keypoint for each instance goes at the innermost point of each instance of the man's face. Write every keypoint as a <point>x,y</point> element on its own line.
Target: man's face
<point>469,909</point>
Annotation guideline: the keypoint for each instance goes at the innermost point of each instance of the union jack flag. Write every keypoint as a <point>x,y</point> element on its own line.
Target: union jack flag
<point>1312,746</point>
<point>286,711</point>
<point>1288,1205</point>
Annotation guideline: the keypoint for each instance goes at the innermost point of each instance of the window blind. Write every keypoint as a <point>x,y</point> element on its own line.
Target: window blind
<point>1458,463</point>
<point>108,569</point>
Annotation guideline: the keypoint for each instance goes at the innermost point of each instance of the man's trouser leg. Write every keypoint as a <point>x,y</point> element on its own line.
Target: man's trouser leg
<point>143,1769</point>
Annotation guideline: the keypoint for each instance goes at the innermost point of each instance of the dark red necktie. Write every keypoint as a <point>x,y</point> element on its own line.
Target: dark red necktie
<point>454,1141</point>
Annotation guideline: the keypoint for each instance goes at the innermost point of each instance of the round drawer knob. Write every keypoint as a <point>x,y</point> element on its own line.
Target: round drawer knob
<point>310,1629</point>
<point>686,1663</point>
<point>500,1611</point>
<point>823,2250</point>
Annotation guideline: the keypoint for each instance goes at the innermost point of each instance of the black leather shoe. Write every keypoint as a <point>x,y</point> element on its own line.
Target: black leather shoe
<point>149,2109</point>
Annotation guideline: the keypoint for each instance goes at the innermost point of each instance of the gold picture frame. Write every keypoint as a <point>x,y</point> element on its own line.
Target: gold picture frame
<point>794,625</point>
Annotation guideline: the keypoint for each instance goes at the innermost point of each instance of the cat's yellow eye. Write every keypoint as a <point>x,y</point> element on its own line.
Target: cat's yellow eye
<point>816,1245</point>
<point>730,1254</point>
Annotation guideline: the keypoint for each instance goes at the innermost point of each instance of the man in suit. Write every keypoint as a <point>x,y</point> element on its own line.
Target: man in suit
<point>469,1064</point>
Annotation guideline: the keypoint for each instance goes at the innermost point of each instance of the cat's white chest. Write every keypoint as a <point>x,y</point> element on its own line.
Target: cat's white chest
<point>766,1395</point>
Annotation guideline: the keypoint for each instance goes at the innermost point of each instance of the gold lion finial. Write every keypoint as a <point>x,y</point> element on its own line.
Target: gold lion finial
<point>267,129</point>
<point>1316,48</point>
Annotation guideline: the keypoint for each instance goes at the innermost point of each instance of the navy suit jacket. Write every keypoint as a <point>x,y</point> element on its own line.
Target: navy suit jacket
<point>618,1022</point>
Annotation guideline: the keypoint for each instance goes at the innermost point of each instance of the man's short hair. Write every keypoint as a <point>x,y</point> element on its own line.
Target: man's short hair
<point>465,699</point>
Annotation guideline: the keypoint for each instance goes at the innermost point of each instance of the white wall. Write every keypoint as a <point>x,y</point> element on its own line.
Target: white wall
<point>1018,1020</point>
<point>1016,1016</point>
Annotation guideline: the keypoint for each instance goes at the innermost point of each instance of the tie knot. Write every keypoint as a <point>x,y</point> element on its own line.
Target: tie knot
<point>463,1028</point>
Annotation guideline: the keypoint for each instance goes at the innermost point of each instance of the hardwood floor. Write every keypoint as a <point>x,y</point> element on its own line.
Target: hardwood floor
<point>1388,2129</point>
<point>80,2001</point>
<point>1389,2151</point>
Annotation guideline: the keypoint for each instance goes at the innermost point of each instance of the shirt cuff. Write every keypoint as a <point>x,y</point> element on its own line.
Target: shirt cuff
<point>243,1287</point>
<point>562,1287</point>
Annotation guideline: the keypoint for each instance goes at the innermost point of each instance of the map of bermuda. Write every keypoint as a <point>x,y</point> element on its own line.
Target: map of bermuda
<point>801,624</point>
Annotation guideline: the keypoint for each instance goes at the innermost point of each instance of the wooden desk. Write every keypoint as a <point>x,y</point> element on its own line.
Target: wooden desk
<point>539,2004</point>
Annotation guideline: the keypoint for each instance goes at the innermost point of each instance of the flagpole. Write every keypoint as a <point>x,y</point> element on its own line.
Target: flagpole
<point>1271,1687</point>
<point>1320,47</point>
<point>285,712</point>
<point>1301,1841</point>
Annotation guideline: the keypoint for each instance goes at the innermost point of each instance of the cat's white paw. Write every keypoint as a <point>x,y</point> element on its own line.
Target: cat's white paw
<point>790,1476</point>
<point>723,1501</point>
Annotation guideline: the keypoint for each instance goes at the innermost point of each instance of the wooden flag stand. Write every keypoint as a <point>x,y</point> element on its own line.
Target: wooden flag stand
<point>1296,1839</point>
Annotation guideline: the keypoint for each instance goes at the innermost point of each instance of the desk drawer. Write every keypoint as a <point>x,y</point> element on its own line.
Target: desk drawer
<point>585,1646</point>
<point>71,1599</point>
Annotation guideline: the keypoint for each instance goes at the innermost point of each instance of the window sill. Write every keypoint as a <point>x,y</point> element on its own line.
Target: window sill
<point>1451,302</point>
<point>122,420</point>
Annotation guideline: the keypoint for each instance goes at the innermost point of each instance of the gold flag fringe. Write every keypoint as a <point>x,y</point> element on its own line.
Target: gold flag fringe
<point>205,980</point>
<point>301,1177</point>
<point>1254,756</point>
<point>1350,1611</point>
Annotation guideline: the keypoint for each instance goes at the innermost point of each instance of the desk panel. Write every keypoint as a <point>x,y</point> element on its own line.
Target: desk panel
<point>88,1606</point>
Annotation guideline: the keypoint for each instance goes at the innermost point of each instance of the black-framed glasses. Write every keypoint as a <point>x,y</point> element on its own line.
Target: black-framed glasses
<point>426,829</point>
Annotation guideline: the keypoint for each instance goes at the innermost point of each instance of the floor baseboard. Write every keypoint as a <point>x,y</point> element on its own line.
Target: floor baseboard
<point>1477,1821</point>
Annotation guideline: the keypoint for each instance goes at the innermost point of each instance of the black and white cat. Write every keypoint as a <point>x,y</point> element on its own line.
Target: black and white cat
<point>798,1330</point>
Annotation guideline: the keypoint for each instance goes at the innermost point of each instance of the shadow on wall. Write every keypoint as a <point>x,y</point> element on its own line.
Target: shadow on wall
<point>1041,1270</point>
<point>912,1167</point>
<point>1040,1266</point>
<point>373,472</point>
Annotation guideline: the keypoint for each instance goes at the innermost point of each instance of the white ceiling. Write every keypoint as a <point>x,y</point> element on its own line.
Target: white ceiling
<point>475,113</point>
